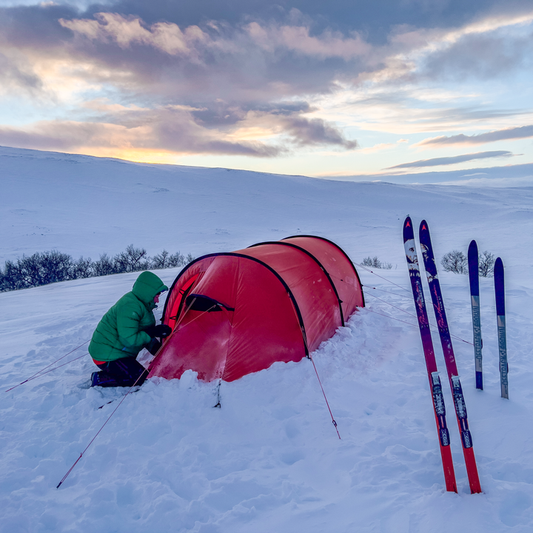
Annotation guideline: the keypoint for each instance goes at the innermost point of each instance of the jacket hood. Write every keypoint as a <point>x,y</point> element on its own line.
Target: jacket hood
<point>147,286</point>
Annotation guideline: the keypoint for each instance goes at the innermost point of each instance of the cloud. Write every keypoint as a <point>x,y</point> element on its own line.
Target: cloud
<point>438,161</point>
<point>522,132</point>
<point>128,31</point>
<point>314,132</point>
<point>492,43</point>
<point>169,38</point>
<point>496,43</point>
<point>483,56</point>
<point>171,136</point>
<point>15,74</point>
<point>375,20</point>
<point>175,129</point>
<point>250,77</point>
<point>249,59</point>
<point>264,53</point>
<point>381,147</point>
<point>298,39</point>
<point>228,77</point>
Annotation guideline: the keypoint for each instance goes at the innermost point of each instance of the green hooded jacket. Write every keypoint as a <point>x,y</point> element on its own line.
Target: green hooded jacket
<point>120,332</point>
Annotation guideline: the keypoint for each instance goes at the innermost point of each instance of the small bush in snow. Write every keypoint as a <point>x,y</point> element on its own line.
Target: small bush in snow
<point>132,260</point>
<point>104,266</point>
<point>374,262</point>
<point>455,261</point>
<point>37,269</point>
<point>165,260</point>
<point>82,268</point>
<point>486,264</point>
<point>49,267</point>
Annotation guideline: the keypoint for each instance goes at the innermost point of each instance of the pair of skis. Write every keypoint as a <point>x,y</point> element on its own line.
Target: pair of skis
<point>449,357</point>
<point>473,272</point>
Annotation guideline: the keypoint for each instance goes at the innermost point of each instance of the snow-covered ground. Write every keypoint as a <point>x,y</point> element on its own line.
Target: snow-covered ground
<point>269,459</point>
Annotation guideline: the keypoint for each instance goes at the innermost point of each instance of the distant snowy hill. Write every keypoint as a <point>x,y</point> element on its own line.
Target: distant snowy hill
<point>87,206</point>
<point>269,460</point>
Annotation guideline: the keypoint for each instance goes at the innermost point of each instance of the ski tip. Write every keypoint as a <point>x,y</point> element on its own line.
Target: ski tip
<point>473,253</point>
<point>498,274</point>
<point>473,268</point>
<point>408,232</point>
<point>499,287</point>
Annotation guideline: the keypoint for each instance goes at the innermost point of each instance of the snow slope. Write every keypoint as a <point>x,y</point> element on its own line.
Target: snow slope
<point>269,459</point>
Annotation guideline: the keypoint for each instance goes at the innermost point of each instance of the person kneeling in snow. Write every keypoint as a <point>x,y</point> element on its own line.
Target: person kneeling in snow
<point>127,328</point>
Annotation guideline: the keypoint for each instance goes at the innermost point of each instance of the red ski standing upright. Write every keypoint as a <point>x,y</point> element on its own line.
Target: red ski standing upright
<point>429,354</point>
<point>449,357</point>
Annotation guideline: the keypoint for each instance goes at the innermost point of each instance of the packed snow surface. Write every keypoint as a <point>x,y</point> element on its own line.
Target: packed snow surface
<point>269,460</point>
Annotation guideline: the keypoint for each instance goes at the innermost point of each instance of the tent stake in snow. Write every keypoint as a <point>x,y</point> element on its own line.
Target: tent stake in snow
<point>218,404</point>
<point>499,289</point>
<point>473,273</point>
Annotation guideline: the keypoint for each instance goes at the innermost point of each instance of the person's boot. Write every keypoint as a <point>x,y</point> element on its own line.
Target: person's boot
<point>103,379</point>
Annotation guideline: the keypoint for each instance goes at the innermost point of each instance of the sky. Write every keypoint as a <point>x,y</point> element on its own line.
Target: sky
<point>330,89</point>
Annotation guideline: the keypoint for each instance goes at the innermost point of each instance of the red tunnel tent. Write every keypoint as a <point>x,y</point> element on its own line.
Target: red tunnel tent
<point>237,313</point>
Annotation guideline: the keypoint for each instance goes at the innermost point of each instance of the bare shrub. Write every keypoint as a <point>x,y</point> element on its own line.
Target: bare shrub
<point>455,261</point>
<point>82,268</point>
<point>49,267</point>
<point>132,260</point>
<point>166,260</point>
<point>374,262</point>
<point>104,266</point>
<point>486,264</point>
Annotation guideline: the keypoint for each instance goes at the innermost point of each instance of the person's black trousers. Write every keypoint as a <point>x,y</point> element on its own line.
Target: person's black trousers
<point>123,372</point>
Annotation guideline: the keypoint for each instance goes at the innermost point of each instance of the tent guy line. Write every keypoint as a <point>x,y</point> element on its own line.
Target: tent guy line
<point>387,280</point>
<point>42,371</point>
<point>97,433</point>
<point>433,326</point>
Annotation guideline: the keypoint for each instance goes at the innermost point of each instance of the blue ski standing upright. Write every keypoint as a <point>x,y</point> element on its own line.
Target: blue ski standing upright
<point>449,358</point>
<point>429,354</point>
<point>473,273</point>
<point>499,289</point>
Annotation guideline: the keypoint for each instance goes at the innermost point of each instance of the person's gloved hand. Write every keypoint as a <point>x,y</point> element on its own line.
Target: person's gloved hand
<point>153,346</point>
<point>158,331</point>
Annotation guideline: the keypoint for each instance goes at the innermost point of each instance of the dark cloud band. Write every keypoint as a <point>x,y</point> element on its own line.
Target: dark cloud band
<point>438,161</point>
<point>522,132</point>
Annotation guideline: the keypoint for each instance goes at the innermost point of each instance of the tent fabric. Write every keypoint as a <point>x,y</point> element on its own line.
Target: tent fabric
<point>239,312</point>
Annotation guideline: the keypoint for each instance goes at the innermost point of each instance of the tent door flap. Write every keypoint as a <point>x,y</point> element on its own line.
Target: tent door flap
<point>200,302</point>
